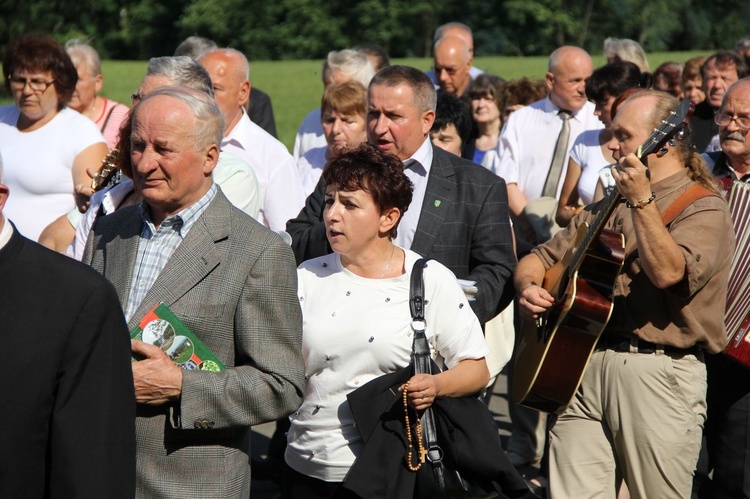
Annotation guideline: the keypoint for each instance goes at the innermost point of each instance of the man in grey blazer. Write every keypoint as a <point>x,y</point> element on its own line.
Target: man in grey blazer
<point>229,279</point>
<point>459,213</point>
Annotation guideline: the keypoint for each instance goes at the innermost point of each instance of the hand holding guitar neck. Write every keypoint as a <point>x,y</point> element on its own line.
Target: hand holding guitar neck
<point>632,179</point>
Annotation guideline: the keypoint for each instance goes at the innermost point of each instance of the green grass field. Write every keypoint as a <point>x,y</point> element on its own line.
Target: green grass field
<point>295,86</point>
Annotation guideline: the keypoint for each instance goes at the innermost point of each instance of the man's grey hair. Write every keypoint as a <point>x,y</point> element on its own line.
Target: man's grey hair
<point>195,46</point>
<point>627,50</point>
<point>209,127</point>
<point>440,31</point>
<point>240,62</point>
<point>79,51</point>
<point>181,71</point>
<point>423,91</point>
<point>351,63</point>
<point>742,44</point>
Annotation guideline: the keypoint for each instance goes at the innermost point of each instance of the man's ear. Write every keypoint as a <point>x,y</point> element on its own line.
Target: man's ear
<point>428,118</point>
<point>244,93</point>
<point>549,81</point>
<point>211,159</point>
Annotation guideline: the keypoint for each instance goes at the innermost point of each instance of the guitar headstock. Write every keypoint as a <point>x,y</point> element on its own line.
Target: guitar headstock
<point>106,172</point>
<point>674,123</point>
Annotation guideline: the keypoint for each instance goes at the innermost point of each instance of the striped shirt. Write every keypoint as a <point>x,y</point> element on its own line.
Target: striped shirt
<point>156,247</point>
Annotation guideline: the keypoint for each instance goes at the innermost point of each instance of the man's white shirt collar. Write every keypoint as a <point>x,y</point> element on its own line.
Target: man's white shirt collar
<point>6,232</point>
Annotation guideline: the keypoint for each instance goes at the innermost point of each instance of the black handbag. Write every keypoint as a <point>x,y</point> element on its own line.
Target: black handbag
<point>465,457</point>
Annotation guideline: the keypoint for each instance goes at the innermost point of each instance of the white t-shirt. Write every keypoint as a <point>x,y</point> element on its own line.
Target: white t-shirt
<point>587,153</point>
<point>355,330</point>
<point>38,166</point>
<point>527,144</point>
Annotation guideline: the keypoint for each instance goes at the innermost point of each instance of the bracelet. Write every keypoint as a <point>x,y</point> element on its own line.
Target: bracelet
<point>642,203</point>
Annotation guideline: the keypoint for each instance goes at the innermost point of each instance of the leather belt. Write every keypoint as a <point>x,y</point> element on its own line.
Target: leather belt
<point>623,343</point>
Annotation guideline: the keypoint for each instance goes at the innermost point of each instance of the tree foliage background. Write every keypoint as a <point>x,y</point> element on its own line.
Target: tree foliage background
<point>303,29</point>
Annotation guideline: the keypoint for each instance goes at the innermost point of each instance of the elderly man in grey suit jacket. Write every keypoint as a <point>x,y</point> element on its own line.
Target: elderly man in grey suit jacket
<point>230,280</point>
<point>459,213</point>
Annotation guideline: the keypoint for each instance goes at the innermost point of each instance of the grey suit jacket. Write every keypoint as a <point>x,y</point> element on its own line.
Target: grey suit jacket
<point>464,224</point>
<point>234,284</point>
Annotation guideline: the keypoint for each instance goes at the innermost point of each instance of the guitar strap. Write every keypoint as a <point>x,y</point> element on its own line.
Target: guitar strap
<point>677,206</point>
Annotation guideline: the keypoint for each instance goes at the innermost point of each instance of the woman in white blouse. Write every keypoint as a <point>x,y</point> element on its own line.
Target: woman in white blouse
<point>589,154</point>
<point>356,321</point>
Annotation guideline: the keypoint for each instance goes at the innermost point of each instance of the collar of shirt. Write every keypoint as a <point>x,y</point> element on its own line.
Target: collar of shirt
<point>183,221</point>
<point>421,161</point>
<point>551,110</point>
<point>239,130</point>
<point>726,170</point>
<point>6,232</point>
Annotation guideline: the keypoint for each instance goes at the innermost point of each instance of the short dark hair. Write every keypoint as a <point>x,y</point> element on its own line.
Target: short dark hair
<point>424,96</point>
<point>377,53</point>
<point>379,174</point>
<point>670,75</point>
<point>523,91</point>
<point>452,110</point>
<point>725,58</point>
<point>614,78</point>
<point>40,52</point>
<point>487,84</point>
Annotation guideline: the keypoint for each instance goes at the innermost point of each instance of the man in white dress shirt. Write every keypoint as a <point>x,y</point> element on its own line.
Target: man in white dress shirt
<point>277,173</point>
<point>528,139</point>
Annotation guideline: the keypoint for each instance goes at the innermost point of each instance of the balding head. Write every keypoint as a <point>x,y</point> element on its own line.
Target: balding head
<point>229,71</point>
<point>569,69</point>
<point>458,30</point>
<point>452,64</point>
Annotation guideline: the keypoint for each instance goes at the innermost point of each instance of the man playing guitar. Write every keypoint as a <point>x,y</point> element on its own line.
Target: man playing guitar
<point>641,404</point>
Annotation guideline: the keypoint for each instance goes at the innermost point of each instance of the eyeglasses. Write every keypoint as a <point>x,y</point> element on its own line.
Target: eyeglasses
<point>135,98</point>
<point>440,69</point>
<point>36,84</point>
<point>724,119</point>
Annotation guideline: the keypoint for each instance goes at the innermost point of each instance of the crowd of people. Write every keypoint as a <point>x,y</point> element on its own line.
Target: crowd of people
<point>293,268</point>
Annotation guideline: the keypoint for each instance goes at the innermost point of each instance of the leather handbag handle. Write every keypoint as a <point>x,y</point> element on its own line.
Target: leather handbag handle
<point>422,365</point>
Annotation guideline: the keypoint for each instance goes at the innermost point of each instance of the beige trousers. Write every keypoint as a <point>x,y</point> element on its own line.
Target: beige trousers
<point>635,416</point>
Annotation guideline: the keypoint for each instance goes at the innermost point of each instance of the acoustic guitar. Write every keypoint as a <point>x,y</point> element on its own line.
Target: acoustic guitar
<point>554,350</point>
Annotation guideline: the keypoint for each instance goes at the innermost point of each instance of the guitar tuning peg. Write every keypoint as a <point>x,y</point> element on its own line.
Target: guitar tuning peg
<point>663,151</point>
<point>672,142</point>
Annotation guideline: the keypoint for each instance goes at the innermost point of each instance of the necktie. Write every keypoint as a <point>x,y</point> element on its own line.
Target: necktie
<point>558,160</point>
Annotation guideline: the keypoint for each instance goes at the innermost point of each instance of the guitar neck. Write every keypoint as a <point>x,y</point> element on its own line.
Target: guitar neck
<point>606,209</point>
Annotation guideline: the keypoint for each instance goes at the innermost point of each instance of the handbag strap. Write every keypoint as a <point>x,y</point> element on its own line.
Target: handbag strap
<point>421,361</point>
<point>420,347</point>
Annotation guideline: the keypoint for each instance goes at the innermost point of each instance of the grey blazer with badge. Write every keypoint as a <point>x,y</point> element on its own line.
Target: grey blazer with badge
<point>234,284</point>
